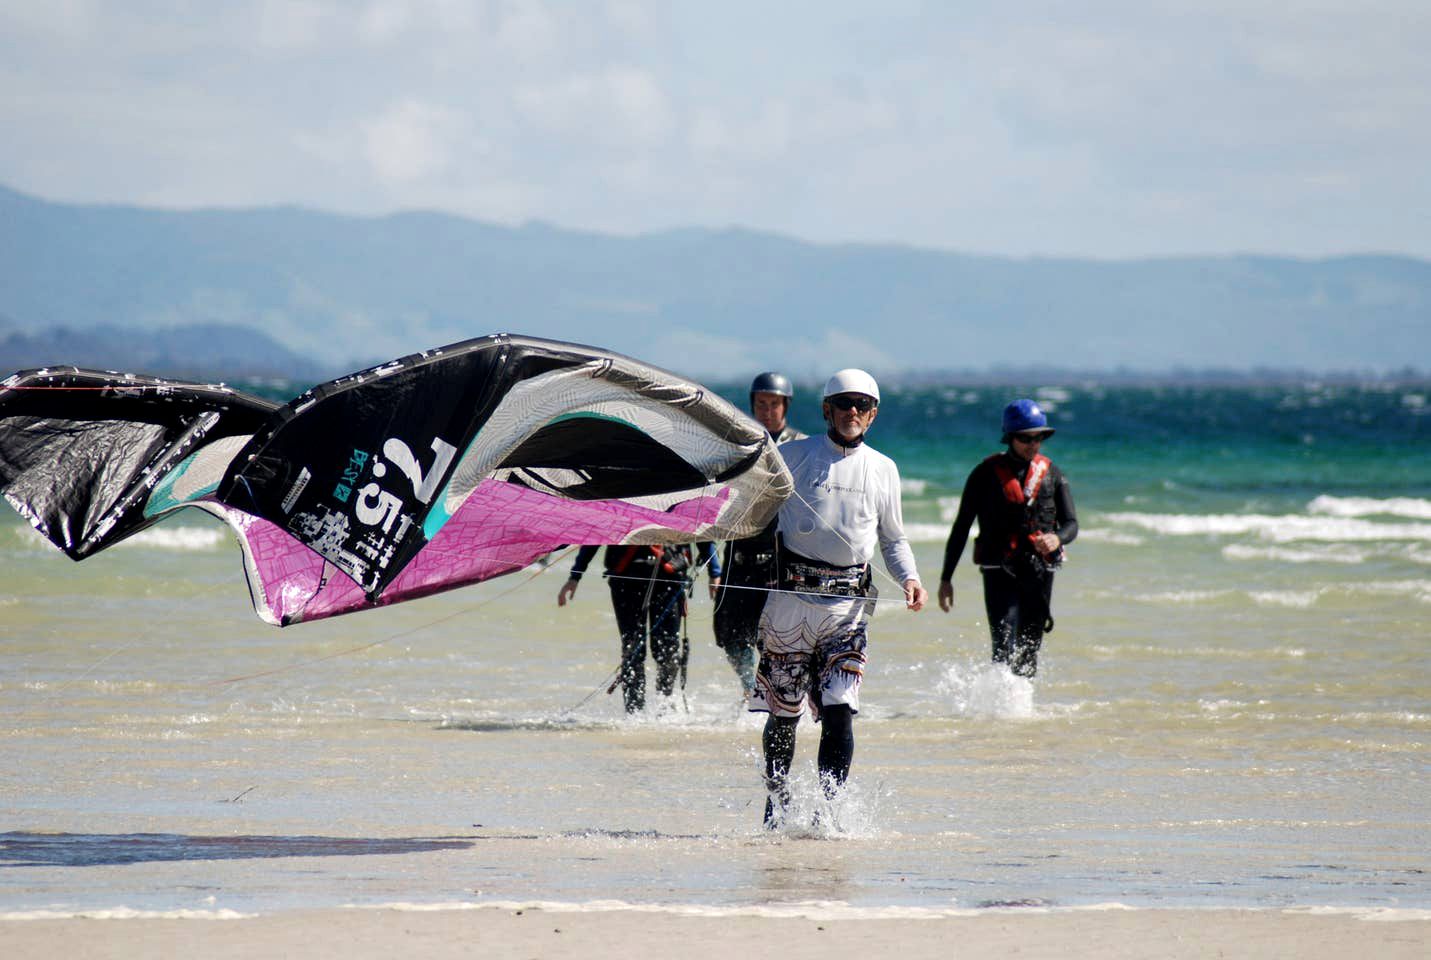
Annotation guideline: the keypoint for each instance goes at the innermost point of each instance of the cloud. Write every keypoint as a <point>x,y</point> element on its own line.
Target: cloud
<point>620,108</point>
<point>1109,128</point>
<point>289,25</point>
<point>411,140</point>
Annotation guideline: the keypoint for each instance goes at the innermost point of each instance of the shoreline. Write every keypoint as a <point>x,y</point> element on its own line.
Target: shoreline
<point>610,930</point>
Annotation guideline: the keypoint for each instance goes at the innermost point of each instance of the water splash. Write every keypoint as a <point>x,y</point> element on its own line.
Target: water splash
<point>987,690</point>
<point>857,810</point>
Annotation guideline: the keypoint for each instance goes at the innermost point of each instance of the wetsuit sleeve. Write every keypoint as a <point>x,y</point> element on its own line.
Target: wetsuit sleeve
<point>708,555</point>
<point>1063,511</point>
<point>583,560</point>
<point>963,523</point>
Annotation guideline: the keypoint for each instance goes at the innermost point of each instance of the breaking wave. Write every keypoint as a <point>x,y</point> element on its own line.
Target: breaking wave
<point>1286,528</point>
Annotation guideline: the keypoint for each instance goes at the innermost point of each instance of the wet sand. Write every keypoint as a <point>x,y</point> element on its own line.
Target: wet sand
<point>356,934</point>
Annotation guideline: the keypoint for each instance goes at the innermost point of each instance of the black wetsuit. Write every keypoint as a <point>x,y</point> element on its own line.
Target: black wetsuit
<point>749,569</point>
<point>1018,584</point>
<point>648,593</point>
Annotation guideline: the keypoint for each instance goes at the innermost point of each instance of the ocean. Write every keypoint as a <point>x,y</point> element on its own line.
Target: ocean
<point>1233,710</point>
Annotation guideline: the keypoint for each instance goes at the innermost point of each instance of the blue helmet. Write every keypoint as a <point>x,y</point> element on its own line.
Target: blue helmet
<point>1025,416</point>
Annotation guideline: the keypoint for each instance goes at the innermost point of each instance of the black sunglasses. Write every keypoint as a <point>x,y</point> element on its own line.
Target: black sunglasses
<point>1030,437</point>
<point>846,401</point>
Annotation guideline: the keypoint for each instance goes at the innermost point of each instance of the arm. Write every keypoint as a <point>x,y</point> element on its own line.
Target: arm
<point>583,560</point>
<point>958,538</point>
<point>711,558</point>
<point>1065,520</point>
<point>894,545</point>
<point>1063,504</point>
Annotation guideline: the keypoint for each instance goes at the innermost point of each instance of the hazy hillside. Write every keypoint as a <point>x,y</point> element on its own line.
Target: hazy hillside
<point>339,291</point>
<point>198,352</point>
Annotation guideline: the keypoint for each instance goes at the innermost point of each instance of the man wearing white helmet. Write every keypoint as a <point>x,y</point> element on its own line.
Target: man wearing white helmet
<point>846,504</point>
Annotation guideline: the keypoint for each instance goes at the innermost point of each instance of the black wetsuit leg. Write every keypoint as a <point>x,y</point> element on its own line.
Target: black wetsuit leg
<point>665,613</point>
<point>737,629</point>
<point>628,602</point>
<point>837,746</point>
<point>778,742</point>
<point>1017,608</point>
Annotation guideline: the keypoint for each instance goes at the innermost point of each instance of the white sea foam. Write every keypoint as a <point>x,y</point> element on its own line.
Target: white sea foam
<point>1300,599</point>
<point>926,532</point>
<point>1114,537</point>
<point>178,538</point>
<point>1218,706</point>
<point>1416,589</point>
<point>1183,596</point>
<point>913,487</point>
<point>1330,553</point>
<point>1370,507</point>
<point>1278,529</point>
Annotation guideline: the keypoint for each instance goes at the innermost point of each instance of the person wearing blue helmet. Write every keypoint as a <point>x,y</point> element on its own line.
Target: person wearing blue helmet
<point>1025,512</point>
<point>750,563</point>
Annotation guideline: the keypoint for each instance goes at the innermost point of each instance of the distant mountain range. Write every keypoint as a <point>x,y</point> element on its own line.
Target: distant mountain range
<point>299,293</point>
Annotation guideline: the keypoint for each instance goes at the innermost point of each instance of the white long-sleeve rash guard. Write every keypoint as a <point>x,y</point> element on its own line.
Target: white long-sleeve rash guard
<point>846,501</point>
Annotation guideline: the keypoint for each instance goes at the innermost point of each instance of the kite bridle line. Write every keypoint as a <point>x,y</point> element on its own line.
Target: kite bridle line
<point>813,512</point>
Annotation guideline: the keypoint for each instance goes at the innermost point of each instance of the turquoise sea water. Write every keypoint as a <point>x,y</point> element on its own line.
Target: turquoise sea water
<point>1234,708</point>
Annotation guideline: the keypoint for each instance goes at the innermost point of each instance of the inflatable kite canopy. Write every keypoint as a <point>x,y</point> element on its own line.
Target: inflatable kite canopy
<point>430,472</point>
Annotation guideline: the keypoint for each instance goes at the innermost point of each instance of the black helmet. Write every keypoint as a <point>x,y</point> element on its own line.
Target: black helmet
<point>771,382</point>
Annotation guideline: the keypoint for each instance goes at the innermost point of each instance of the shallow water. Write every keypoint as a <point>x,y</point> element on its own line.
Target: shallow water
<point>1234,710</point>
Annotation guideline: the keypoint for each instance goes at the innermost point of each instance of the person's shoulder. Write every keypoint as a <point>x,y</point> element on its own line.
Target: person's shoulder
<point>797,447</point>
<point>883,460</point>
<point>987,463</point>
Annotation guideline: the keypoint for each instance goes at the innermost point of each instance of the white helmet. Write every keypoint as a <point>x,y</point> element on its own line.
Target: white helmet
<point>851,380</point>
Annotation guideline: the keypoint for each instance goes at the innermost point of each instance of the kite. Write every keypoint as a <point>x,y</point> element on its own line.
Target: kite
<point>423,474</point>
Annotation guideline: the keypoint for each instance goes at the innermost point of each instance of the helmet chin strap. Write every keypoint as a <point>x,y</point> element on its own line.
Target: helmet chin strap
<point>840,440</point>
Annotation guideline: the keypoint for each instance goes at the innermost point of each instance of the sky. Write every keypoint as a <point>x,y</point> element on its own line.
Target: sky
<point>1104,128</point>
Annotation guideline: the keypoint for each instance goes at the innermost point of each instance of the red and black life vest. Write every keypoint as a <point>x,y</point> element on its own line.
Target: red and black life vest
<point>673,561</point>
<point>1032,514</point>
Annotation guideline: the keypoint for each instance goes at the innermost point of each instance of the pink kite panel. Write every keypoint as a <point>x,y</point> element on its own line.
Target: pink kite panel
<point>500,528</point>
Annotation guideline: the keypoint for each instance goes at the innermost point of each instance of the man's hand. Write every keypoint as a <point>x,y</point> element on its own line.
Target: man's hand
<point>567,591</point>
<point>946,595</point>
<point>1047,543</point>
<point>915,595</point>
<point>715,586</point>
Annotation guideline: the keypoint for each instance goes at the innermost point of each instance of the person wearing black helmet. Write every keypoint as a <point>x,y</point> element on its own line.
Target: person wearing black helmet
<point>750,563</point>
<point>1025,513</point>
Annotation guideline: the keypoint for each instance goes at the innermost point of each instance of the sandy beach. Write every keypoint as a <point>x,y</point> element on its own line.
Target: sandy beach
<point>535,931</point>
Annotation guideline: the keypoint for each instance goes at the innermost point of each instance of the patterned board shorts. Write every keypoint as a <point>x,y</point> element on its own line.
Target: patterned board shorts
<point>811,649</point>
